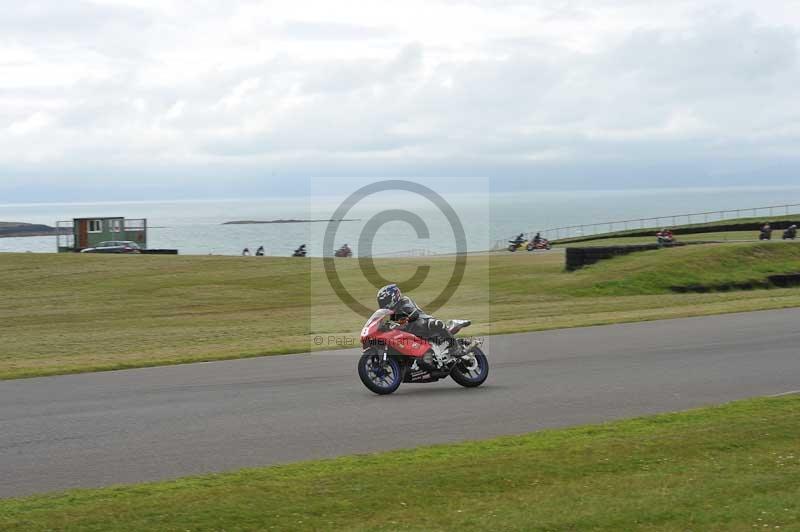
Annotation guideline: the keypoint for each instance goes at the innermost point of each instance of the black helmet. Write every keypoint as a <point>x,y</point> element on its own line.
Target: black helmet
<point>388,296</point>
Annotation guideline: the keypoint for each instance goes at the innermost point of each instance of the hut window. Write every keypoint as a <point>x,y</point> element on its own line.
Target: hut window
<point>116,225</point>
<point>95,226</point>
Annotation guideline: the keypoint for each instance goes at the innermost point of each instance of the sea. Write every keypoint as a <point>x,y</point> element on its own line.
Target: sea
<point>399,223</point>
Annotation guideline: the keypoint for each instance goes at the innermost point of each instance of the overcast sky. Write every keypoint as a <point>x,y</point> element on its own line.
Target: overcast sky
<point>134,98</point>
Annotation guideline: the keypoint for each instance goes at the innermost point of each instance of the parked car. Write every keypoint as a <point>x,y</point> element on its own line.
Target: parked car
<point>114,246</point>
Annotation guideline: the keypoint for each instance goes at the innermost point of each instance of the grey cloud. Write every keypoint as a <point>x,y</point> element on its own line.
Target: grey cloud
<point>716,95</point>
<point>330,31</point>
<point>720,54</point>
<point>36,18</point>
<point>514,106</point>
<point>344,76</point>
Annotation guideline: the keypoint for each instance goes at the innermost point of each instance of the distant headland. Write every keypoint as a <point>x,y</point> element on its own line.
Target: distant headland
<point>17,229</point>
<point>288,221</point>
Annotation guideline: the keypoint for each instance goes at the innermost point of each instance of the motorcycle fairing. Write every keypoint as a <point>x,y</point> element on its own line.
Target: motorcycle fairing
<point>376,333</point>
<point>402,342</point>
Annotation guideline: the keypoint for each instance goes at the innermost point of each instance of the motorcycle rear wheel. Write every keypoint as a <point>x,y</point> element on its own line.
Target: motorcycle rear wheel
<point>475,377</point>
<point>379,377</point>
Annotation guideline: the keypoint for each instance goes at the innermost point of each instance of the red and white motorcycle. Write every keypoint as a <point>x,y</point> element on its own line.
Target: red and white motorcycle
<point>392,356</point>
<point>543,243</point>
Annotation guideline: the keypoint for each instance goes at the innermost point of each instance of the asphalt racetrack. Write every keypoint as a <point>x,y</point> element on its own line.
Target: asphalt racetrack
<point>132,426</point>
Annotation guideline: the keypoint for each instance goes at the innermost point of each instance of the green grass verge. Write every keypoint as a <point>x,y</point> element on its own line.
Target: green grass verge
<point>724,237</point>
<point>734,467</point>
<point>716,224</point>
<point>72,313</point>
<point>691,265</point>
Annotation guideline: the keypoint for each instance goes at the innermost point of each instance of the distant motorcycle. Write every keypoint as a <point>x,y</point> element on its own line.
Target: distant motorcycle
<point>543,243</point>
<point>790,233</point>
<point>516,245</point>
<point>665,237</point>
<point>300,252</point>
<point>343,251</point>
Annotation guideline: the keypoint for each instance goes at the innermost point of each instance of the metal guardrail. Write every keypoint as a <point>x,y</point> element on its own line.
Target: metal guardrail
<point>416,252</point>
<point>657,222</point>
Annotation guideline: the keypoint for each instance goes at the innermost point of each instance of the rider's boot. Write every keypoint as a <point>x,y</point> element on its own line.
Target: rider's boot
<point>443,336</point>
<point>455,349</point>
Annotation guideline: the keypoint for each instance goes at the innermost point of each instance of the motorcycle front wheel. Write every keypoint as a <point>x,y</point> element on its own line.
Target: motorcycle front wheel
<point>379,376</point>
<point>471,373</point>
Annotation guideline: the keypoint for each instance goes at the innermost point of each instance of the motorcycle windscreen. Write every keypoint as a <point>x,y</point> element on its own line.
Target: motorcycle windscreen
<point>378,316</point>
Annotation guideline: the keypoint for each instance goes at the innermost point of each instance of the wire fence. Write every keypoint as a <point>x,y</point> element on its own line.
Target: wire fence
<point>658,222</point>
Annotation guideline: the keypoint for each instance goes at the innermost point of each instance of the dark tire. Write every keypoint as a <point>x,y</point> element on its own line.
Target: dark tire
<point>530,247</point>
<point>382,379</point>
<point>472,378</point>
<point>512,248</point>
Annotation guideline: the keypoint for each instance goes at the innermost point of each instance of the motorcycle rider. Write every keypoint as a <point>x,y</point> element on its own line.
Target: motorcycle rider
<point>517,242</point>
<point>537,238</point>
<point>344,251</point>
<point>415,321</point>
<point>766,232</point>
<point>791,232</point>
<point>665,236</point>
